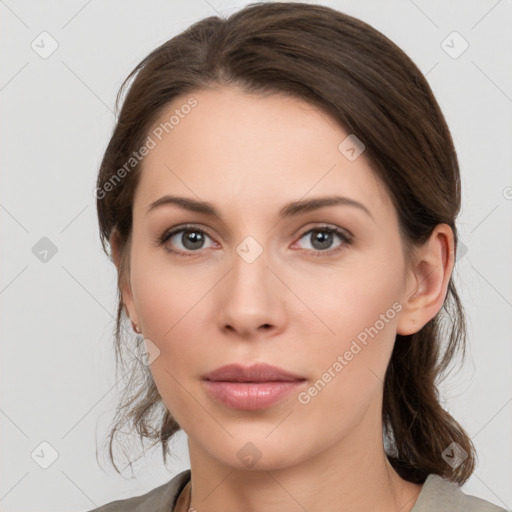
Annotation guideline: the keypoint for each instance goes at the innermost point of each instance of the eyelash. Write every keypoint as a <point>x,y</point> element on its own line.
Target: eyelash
<point>345,237</point>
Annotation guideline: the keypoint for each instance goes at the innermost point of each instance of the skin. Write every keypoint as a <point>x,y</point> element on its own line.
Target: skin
<point>248,155</point>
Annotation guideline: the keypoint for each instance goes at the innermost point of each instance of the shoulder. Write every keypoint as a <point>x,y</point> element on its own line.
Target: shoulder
<point>442,495</point>
<point>159,499</point>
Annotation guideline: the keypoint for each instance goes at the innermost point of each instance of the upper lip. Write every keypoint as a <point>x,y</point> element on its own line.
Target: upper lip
<point>259,372</point>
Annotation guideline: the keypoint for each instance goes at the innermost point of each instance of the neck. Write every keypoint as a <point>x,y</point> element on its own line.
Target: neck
<point>353,475</point>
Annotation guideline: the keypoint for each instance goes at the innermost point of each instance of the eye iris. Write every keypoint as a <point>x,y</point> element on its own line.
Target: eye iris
<point>324,238</point>
<point>195,238</point>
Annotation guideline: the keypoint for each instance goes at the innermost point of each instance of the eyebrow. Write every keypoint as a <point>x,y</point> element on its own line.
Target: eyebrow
<point>290,209</point>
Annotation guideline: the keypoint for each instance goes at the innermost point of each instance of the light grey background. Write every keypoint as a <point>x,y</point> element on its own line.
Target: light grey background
<point>57,366</point>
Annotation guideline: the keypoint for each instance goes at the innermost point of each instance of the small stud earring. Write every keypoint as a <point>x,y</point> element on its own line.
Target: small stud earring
<point>135,327</point>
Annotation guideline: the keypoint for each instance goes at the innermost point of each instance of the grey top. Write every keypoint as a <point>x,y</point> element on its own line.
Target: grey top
<point>437,495</point>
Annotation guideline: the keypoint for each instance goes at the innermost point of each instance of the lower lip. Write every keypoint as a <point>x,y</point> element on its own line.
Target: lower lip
<point>251,395</point>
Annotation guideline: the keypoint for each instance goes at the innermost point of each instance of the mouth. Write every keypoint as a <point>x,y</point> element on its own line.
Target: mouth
<point>251,388</point>
<point>257,373</point>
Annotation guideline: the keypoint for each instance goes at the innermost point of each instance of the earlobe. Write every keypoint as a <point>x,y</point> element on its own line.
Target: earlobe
<point>429,278</point>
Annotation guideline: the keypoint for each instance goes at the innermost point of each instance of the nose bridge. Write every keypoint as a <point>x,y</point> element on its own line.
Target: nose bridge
<point>250,272</point>
<point>250,250</point>
<point>250,298</point>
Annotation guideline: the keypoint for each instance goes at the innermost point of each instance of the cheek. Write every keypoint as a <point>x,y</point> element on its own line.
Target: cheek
<point>170,310</point>
<point>361,309</point>
<point>351,299</point>
<point>350,366</point>
<point>165,294</point>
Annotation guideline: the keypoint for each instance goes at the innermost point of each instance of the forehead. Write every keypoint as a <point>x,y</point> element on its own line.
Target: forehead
<point>240,147</point>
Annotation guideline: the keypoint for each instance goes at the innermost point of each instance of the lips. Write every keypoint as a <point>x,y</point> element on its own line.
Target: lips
<point>251,388</point>
<point>259,372</point>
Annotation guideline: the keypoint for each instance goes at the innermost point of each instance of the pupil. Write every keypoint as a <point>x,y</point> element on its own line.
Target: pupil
<point>192,239</point>
<point>324,238</point>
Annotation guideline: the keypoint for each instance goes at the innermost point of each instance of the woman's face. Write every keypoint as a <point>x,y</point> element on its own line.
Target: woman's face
<point>250,287</point>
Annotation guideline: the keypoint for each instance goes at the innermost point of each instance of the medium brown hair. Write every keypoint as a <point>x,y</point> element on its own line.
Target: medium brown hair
<point>373,89</point>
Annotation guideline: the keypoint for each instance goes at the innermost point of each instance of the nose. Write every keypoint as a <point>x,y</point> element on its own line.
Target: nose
<point>251,299</point>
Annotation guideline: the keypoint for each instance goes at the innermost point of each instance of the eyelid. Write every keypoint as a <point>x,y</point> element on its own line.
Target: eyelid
<point>345,235</point>
<point>168,233</point>
<point>319,226</point>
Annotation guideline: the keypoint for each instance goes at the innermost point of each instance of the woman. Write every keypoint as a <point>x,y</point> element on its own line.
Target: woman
<point>279,196</point>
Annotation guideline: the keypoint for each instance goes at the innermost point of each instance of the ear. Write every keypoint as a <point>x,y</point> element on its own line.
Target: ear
<point>427,280</point>
<point>123,281</point>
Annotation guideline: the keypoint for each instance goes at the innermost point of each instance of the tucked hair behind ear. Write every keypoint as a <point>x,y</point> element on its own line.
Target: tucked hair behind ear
<point>369,85</point>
